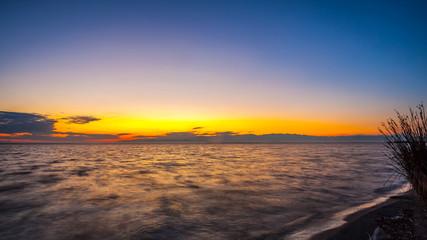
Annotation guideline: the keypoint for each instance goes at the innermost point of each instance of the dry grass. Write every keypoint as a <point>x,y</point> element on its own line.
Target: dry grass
<point>406,139</point>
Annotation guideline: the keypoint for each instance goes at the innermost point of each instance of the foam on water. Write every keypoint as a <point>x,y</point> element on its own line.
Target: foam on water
<point>339,218</point>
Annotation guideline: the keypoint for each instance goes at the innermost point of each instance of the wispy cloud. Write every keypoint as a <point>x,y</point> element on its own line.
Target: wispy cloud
<point>80,119</point>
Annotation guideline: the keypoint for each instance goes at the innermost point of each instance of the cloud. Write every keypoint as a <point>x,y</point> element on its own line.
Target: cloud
<point>232,137</point>
<point>61,137</point>
<point>82,136</point>
<point>15,122</point>
<point>16,126</point>
<point>80,119</point>
<point>195,128</point>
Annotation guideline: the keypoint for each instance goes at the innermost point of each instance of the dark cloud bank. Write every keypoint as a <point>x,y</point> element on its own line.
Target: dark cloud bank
<point>14,122</point>
<point>41,127</point>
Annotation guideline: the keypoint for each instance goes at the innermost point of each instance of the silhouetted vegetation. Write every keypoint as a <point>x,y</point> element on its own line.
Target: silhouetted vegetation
<point>406,139</point>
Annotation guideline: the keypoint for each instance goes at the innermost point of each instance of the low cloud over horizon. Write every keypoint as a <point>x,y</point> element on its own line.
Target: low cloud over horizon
<point>16,122</point>
<point>32,127</point>
<point>230,137</point>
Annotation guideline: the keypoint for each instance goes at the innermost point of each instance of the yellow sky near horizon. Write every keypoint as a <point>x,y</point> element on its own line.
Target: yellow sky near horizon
<point>152,127</point>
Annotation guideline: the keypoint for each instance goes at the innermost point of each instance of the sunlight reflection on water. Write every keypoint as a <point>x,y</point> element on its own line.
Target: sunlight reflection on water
<point>182,191</point>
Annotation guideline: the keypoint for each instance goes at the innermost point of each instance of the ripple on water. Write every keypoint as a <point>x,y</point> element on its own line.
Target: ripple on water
<point>10,206</point>
<point>38,166</point>
<point>187,191</point>
<point>56,161</point>
<point>81,172</point>
<point>104,198</point>
<point>146,172</point>
<point>49,179</point>
<point>14,187</point>
<point>19,173</point>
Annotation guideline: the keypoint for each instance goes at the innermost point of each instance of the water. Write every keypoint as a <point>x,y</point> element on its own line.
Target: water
<point>183,191</point>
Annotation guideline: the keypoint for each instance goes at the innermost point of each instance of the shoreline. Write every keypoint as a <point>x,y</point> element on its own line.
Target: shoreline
<point>363,224</point>
<point>342,218</point>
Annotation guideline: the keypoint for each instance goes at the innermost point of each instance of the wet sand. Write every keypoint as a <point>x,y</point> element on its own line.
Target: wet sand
<point>362,225</point>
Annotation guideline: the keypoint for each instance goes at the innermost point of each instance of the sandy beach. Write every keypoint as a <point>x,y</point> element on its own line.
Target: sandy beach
<point>391,215</point>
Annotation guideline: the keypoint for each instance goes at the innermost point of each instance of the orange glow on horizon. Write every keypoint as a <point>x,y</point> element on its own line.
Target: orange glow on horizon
<point>102,140</point>
<point>131,127</point>
<point>61,135</point>
<point>30,141</point>
<point>14,134</point>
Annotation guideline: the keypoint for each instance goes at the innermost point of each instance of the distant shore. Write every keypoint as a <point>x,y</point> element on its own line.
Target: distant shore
<point>364,224</point>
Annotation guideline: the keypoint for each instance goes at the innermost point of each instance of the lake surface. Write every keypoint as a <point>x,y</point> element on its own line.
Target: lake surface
<point>183,191</point>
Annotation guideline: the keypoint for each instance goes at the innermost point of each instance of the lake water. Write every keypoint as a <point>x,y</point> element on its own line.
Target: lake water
<point>183,191</point>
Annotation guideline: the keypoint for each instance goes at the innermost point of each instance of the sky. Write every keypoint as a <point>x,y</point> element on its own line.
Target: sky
<point>113,70</point>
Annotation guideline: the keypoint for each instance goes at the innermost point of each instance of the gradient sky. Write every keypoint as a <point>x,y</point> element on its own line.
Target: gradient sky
<point>153,67</point>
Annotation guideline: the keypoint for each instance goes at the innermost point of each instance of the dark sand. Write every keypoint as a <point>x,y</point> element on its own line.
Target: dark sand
<point>361,225</point>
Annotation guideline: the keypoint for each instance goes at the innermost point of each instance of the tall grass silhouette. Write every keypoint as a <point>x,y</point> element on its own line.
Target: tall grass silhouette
<point>406,139</point>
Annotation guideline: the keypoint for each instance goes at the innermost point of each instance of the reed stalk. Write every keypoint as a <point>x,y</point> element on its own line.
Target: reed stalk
<point>406,139</point>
